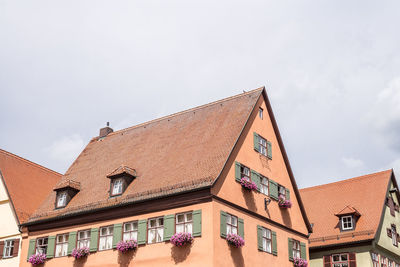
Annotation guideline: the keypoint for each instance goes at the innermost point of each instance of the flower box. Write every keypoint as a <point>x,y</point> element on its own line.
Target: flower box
<point>181,239</point>
<point>125,246</point>
<point>283,203</point>
<point>37,259</point>
<point>297,262</point>
<point>248,184</point>
<point>78,253</point>
<point>235,240</point>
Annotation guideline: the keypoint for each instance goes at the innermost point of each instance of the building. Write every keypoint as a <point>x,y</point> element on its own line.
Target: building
<point>355,222</point>
<point>179,173</point>
<point>24,185</point>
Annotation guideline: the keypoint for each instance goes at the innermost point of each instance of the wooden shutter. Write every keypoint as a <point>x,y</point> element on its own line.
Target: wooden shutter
<point>222,229</point>
<point>273,189</point>
<point>51,243</point>
<point>389,232</point>
<point>259,237</point>
<point>94,239</point>
<point>31,249</point>
<point>303,250</point>
<point>16,248</point>
<point>255,177</point>
<point>287,194</point>
<point>71,242</point>
<point>1,249</point>
<point>142,232</point>
<point>352,259</point>
<point>169,225</point>
<point>290,249</point>
<point>391,206</point>
<point>327,261</point>
<point>269,150</point>
<point>237,171</point>
<point>117,234</point>
<point>241,227</point>
<point>256,142</point>
<point>274,244</point>
<point>196,216</point>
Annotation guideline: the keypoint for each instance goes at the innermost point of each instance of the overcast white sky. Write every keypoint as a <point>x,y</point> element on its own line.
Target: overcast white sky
<point>331,68</point>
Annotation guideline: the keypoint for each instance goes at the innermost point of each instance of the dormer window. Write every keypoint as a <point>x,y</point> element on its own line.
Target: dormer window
<point>61,199</point>
<point>117,187</point>
<point>65,191</point>
<point>347,223</point>
<point>120,179</point>
<point>348,217</point>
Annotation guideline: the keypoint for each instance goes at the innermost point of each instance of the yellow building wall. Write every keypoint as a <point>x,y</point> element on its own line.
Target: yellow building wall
<point>363,256</point>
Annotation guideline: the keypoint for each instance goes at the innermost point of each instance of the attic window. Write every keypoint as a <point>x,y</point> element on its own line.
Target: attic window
<point>120,178</point>
<point>61,199</point>
<point>260,113</point>
<point>117,185</point>
<point>65,191</point>
<point>347,223</point>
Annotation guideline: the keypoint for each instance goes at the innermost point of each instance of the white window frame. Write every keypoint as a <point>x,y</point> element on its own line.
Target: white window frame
<point>231,224</point>
<point>281,191</point>
<point>341,262</point>
<point>8,248</point>
<point>375,259</point>
<point>117,185</point>
<point>260,113</point>
<point>266,240</point>
<point>61,199</point>
<point>106,237</point>
<point>296,249</point>
<point>83,239</point>
<point>262,145</point>
<point>130,231</point>
<point>155,229</point>
<point>245,172</point>
<point>185,225</point>
<point>61,245</point>
<point>264,187</point>
<point>41,245</point>
<point>349,224</point>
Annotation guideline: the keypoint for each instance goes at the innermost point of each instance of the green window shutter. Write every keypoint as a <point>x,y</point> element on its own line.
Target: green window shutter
<point>274,244</point>
<point>237,171</point>
<point>256,142</point>
<point>50,247</point>
<point>303,250</point>
<point>241,227</point>
<point>223,224</point>
<point>259,237</point>
<point>287,194</point>
<point>94,239</point>
<point>255,177</point>
<point>31,249</point>
<point>269,150</point>
<point>142,229</point>
<point>290,249</point>
<point>196,216</point>
<point>117,236</point>
<point>273,189</point>
<point>169,225</point>
<point>71,242</point>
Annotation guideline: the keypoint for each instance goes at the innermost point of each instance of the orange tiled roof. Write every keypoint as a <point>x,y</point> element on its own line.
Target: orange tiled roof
<point>121,170</point>
<point>176,153</point>
<point>27,183</point>
<point>365,195</point>
<point>68,183</point>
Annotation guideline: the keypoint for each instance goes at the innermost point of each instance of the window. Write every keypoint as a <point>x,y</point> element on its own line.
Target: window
<point>245,172</point>
<point>266,240</point>
<point>184,223</point>
<point>61,199</point>
<point>296,249</point>
<point>262,145</point>
<point>260,113</point>
<point>281,192</point>
<point>41,245</point>
<point>347,222</point>
<point>390,263</point>
<point>83,239</point>
<point>117,187</point>
<point>130,231</point>
<point>231,224</point>
<point>394,235</point>
<point>340,260</point>
<point>8,248</point>
<point>264,185</point>
<point>383,261</point>
<point>61,245</point>
<point>106,238</point>
<point>375,259</point>
<point>156,230</point>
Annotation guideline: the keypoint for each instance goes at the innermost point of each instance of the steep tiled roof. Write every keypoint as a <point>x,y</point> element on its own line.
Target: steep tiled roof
<point>365,195</point>
<point>27,183</point>
<point>176,153</point>
<point>121,170</point>
<point>68,184</point>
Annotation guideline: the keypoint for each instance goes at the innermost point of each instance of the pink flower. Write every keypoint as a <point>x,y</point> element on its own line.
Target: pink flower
<point>235,240</point>
<point>248,184</point>
<point>283,203</point>
<point>298,262</point>
<point>181,239</point>
<point>78,253</point>
<point>125,246</point>
<point>37,259</point>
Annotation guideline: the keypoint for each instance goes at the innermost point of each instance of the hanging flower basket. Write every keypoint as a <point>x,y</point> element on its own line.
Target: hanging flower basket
<point>235,240</point>
<point>297,262</point>
<point>37,259</point>
<point>78,253</point>
<point>125,246</point>
<point>181,239</point>
<point>248,184</point>
<point>286,204</point>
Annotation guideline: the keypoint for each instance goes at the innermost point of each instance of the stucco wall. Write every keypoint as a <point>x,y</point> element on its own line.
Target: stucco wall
<point>363,256</point>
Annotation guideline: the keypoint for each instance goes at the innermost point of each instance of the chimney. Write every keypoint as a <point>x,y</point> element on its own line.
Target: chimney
<point>105,131</point>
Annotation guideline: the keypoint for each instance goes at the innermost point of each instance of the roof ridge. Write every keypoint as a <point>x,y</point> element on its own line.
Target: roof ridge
<point>345,180</point>
<point>187,110</point>
<point>28,161</point>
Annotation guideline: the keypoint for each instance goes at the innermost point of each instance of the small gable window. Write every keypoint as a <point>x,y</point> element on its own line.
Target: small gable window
<point>347,223</point>
<point>65,191</point>
<point>61,199</point>
<point>117,187</point>
<point>120,179</point>
<point>262,145</point>
<point>260,113</point>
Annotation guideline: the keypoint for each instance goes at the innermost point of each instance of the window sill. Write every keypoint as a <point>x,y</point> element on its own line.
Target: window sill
<point>7,257</point>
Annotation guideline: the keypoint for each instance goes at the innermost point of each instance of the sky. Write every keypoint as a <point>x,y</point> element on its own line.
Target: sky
<point>330,68</point>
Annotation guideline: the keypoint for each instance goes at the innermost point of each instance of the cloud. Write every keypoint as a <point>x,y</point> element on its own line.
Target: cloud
<point>353,163</point>
<point>67,148</point>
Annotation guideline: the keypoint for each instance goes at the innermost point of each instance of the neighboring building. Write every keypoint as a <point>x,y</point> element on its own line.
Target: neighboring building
<point>24,185</point>
<point>356,222</point>
<point>179,173</point>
